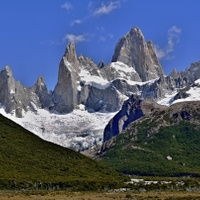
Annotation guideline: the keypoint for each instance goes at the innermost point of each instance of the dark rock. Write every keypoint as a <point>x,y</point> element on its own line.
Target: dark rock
<point>134,108</point>
<point>107,99</point>
<point>131,111</point>
<point>182,94</point>
<point>101,64</point>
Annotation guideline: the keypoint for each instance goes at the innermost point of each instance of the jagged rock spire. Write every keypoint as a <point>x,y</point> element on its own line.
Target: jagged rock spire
<point>66,92</point>
<point>133,51</point>
<point>70,54</point>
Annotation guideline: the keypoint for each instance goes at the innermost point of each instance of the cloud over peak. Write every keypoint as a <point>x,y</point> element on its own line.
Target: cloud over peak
<point>67,6</point>
<point>105,9</point>
<point>74,38</point>
<point>76,21</point>
<point>173,37</point>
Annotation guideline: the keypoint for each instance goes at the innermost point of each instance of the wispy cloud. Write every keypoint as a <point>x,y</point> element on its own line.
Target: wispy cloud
<point>67,6</point>
<point>76,21</point>
<point>102,38</point>
<point>105,37</point>
<point>100,28</point>
<point>173,38</point>
<point>74,38</point>
<point>90,5</point>
<point>105,9</point>
<point>111,36</point>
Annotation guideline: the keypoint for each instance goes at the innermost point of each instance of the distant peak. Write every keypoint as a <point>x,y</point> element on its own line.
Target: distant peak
<point>101,64</point>
<point>133,51</point>
<point>8,70</point>
<point>150,43</point>
<point>70,53</point>
<point>40,80</point>
<point>135,28</point>
<point>70,47</point>
<point>174,73</point>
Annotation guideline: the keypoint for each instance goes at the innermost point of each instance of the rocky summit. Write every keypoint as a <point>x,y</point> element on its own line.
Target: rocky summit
<point>87,96</point>
<point>133,51</point>
<point>65,95</point>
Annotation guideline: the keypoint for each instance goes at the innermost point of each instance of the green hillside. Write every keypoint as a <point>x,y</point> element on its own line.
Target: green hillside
<point>171,151</point>
<point>28,161</point>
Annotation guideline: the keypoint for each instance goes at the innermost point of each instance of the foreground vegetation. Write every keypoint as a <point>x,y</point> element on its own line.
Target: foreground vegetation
<point>29,162</point>
<point>172,151</point>
<point>160,188</point>
<point>132,195</point>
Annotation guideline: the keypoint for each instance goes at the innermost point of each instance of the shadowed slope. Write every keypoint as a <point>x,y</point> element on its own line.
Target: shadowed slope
<point>25,158</point>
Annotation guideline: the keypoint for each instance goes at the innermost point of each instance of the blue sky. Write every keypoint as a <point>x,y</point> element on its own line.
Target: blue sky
<point>34,34</point>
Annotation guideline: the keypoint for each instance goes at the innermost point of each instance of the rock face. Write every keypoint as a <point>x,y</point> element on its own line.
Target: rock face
<point>133,51</point>
<point>7,89</point>
<point>40,89</point>
<point>17,98</point>
<point>193,73</point>
<point>65,95</point>
<point>132,109</point>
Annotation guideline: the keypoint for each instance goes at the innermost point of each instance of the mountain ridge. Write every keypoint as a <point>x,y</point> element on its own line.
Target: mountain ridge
<point>86,90</point>
<point>163,143</point>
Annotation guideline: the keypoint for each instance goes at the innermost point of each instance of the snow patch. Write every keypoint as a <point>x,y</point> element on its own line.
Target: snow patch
<point>120,66</point>
<point>12,91</point>
<point>95,81</point>
<point>195,68</point>
<point>141,83</point>
<point>84,130</point>
<point>197,81</point>
<point>168,99</point>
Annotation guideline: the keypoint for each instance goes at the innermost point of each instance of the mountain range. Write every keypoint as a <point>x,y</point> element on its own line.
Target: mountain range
<point>92,103</point>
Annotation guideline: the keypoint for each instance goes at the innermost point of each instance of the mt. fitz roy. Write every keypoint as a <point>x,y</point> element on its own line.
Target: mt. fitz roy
<point>87,96</point>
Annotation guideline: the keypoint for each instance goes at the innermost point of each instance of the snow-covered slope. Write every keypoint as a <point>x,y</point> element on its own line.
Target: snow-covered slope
<point>193,94</point>
<point>77,130</point>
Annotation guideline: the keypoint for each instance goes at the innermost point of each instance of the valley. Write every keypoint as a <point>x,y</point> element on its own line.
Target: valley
<point>127,115</point>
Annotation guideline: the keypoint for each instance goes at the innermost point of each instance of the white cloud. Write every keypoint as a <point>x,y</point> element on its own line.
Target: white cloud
<point>74,38</point>
<point>173,38</point>
<point>67,6</point>
<point>90,5</point>
<point>102,38</point>
<point>111,36</point>
<point>100,29</point>
<point>76,21</point>
<point>105,37</point>
<point>105,9</point>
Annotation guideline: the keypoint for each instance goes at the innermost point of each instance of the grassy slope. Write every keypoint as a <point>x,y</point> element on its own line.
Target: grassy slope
<point>25,158</point>
<point>148,155</point>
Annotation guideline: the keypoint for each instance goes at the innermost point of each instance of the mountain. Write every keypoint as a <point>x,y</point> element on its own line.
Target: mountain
<point>87,96</point>
<point>133,51</point>
<point>164,142</point>
<point>29,162</point>
<point>134,108</point>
